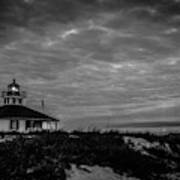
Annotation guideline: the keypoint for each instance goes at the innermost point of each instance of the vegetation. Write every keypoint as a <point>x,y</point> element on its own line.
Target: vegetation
<point>45,155</point>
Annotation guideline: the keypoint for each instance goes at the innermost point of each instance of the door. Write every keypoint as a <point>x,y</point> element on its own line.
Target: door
<point>14,125</point>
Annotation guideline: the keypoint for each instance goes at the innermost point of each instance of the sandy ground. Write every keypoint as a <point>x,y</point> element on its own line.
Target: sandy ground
<point>94,173</point>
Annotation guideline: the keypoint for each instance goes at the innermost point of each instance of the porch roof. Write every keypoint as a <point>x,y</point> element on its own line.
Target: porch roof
<point>23,112</point>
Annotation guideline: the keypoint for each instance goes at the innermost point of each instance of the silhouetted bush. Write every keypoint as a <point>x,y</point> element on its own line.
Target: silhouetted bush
<point>46,155</point>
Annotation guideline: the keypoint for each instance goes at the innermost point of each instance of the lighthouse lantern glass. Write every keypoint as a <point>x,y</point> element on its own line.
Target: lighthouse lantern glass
<point>14,89</point>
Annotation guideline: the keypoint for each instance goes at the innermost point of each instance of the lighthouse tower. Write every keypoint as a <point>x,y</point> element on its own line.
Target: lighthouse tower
<point>13,95</point>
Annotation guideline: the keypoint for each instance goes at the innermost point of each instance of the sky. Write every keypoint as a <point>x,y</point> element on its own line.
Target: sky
<point>96,63</point>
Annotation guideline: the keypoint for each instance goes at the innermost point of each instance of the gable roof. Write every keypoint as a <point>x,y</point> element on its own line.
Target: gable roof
<point>22,112</point>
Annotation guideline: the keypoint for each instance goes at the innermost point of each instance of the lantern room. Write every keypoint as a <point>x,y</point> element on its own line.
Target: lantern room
<point>13,95</point>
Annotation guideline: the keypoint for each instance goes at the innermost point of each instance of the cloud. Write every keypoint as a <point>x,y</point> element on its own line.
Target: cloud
<point>171,31</point>
<point>69,33</point>
<point>116,59</point>
<point>25,12</point>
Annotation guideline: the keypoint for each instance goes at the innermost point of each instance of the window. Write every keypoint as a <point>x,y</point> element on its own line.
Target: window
<point>29,125</point>
<point>38,124</point>
<point>14,100</point>
<point>33,125</point>
<point>20,101</point>
<point>14,124</point>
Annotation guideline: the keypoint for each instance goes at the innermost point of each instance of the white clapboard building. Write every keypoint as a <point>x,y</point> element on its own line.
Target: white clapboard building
<point>14,116</point>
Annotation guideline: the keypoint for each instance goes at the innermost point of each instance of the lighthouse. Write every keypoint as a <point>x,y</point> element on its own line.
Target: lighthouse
<point>15,116</point>
<point>13,95</point>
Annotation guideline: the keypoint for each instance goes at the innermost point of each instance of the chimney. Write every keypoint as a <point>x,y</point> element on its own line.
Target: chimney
<point>42,105</point>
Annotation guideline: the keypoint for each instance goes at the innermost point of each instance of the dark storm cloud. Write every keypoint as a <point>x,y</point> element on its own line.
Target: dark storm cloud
<point>22,12</point>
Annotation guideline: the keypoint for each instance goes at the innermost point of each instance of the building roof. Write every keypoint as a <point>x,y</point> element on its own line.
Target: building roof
<point>22,112</point>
